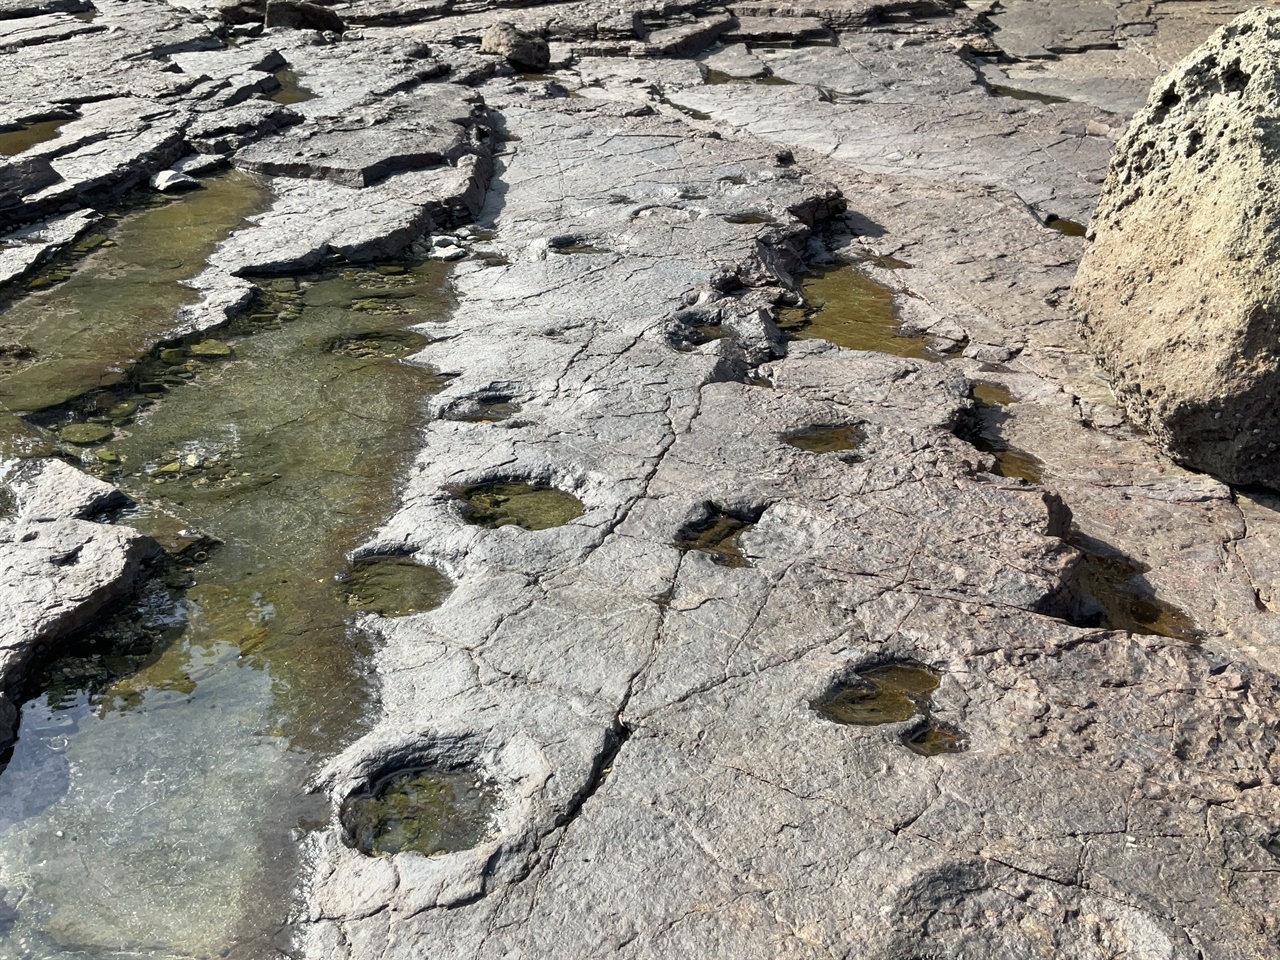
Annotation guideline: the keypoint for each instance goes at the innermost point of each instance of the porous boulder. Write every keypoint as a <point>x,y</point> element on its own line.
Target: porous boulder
<point>300,15</point>
<point>1179,289</point>
<point>522,50</point>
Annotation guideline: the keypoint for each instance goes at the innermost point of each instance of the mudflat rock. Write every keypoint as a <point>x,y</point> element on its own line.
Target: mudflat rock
<point>1179,292</point>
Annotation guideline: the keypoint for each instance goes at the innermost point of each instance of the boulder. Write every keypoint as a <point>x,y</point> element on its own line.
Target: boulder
<point>1179,289</point>
<point>299,15</point>
<point>522,50</point>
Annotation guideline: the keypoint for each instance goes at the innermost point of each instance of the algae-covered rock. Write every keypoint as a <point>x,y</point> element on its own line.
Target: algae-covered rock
<point>1179,292</point>
<point>84,434</point>
<point>209,349</point>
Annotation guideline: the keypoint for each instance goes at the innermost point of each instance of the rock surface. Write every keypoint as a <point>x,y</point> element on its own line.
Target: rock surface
<point>59,570</point>
<point>646,713</point>
<point>1179,288</point>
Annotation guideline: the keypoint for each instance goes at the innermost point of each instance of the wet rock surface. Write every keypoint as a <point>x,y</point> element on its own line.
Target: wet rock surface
<point>626,694</point>
<point>1188,331</point>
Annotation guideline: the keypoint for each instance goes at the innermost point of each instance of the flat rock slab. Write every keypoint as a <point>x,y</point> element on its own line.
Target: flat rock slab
<point>411,133</point>
<point>23,250</point>
<point>58,576</point>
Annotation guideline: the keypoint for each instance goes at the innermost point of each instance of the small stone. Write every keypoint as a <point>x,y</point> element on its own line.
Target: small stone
<point>390,270</point>
<point>171,181</point>
<point>448,254</point>
<point>173,355</point>
<point>84,434</point>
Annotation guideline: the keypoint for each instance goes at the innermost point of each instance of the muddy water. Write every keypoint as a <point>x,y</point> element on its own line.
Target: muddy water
<point>155,798</point>
<point>28,135</point>
<point>291,88</point>
<point>851,310</point>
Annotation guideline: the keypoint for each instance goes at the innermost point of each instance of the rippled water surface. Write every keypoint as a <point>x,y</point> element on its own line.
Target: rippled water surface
<point>154,801</point>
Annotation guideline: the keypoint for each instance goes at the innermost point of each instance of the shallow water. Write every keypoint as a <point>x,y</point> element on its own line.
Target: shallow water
<point>13,142</point>
<point>428,811</point>
<point>529,505</point>
<point>886,694</point>
<point>1124,600</point>
<point>851,310</point>
<point>717,536</point>
<point>155,798</point>
<point>86,330</point>
<point>291,89</point>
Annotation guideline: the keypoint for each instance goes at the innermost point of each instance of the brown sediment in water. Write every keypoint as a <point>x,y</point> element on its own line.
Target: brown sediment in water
<point>849,309</point>
<point>291,89</point>
<point>889,693</point>
<point>981,428</point>
<point>828,439</point>
<point>1068,227</point>
<point>1123,599</point>
<point>28,135</point>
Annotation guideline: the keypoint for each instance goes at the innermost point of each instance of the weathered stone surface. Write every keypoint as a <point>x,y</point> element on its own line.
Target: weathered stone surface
<point>645,711</point>
<point>53,490</point>
<point>522,50</point>
<point>1179,286</point>
<point>429,128</point>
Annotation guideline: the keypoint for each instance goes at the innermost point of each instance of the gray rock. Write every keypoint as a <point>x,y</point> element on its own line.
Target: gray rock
<point>23,250</point>
<point>1190,201</point>
<point>58,576</point>
<point>521,49</point>
<point>300,15</point>
<point>173,181</point>
<point>53,490</point>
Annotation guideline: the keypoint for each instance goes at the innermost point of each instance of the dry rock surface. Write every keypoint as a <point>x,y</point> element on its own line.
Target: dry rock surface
<point>634,231</point>
<point>1179,289</point>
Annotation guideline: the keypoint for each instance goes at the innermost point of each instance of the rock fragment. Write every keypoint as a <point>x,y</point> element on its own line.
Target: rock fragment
<point>173,181</point>
<point>300,15</point>
<point>1179,292</point>
<point>522,50</point>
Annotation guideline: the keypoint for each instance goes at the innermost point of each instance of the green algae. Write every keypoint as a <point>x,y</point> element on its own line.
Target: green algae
<point>849,309</point>
<point>889,693</point>
<point>423,810</point>
<point>393,586</point>
<point>512,503</point>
